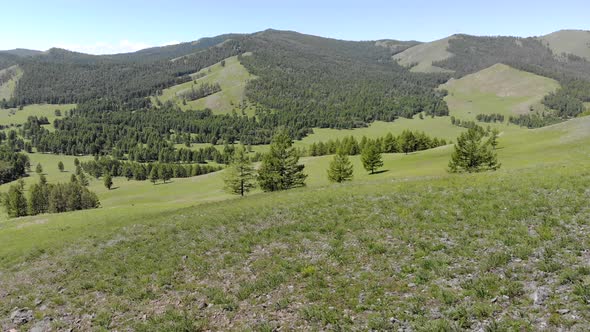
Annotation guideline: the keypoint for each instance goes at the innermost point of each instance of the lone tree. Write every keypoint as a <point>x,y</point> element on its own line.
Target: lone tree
<point>108,181</point>
<point>60,165</point>
<point>371,157</point>
<point>474,152</point>
<point>340,168</point>
<point>39,169</point>
<point>154,177</point>
<point>240,176</point>
<point>279,169</point>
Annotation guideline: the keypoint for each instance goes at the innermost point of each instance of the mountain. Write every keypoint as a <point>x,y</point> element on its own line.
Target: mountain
<point>22,52</point>
<point>563,42</point>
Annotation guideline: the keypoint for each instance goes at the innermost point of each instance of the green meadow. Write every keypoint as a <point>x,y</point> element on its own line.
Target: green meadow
<point>232,77</point>
<point>411,247</point>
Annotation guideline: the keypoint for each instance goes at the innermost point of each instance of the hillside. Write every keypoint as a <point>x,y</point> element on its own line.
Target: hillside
<point>358,256</point>
<point>8,78</point>
<point>231,76</point>
<point>421,57</point>
<point>498,89</point>
<point>576,42</point>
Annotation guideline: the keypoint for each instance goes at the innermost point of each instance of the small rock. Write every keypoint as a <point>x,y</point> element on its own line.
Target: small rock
<point>392,320</point>
<point>203,305</point>
<point>21,316</point>
<point>540,295</point>
<point>38,302</point>
<point>505,297</point>
<point>411,285</point>
<point>563,311</point>
<point>494,300</point>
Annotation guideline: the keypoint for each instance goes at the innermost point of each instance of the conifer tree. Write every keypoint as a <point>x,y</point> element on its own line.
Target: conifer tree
<point>340,168</point>
<point>154,176</point>
<point>108,181</point>
<point>15,202</point>
<point>60,165</point>
<point>371,157</point>
<point>240,176</point>
<point>39,169</point>
<point>473,152</point>
<point>280,169</point>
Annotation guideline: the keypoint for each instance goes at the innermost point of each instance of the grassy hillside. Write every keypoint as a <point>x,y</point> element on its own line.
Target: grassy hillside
<point>14,116</point>
<point>497,89</point>
<point>575,42</point>
<point>7,89</point>
<point>503,250</point>
<point>421,56</point>
<point>232,77</point>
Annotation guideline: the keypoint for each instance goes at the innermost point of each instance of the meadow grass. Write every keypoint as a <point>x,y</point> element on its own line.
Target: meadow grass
<point>232,78</point>
<point>14,116</point>
<point>457,251</point>
<point>7,89</point>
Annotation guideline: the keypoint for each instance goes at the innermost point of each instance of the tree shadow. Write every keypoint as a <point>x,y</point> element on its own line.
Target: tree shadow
<point>114,188</point>
<point>380,171</point>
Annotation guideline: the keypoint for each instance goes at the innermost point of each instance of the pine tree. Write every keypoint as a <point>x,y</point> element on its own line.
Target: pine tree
<point>240,177</point>
<point>280,169</point>
<point>60,165</point>
<point>83,180</point>
<point>371,157</point>
<point>108,181</point>
<point>473,152</point>
<point>340,168</point>
<point>15,202</point>
<point>39,169</point>
<point>164,173</point>
<point>154,176</point>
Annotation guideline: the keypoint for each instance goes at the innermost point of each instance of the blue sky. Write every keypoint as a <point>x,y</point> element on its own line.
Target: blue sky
<point>109,26</point>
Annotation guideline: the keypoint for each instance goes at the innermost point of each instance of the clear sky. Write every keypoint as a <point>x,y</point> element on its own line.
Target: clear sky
<point>109,26</point>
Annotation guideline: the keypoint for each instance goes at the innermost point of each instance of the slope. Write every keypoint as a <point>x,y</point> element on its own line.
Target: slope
<point>449,252</point>
<point>497,89</point>
<point>421,57</point>
<point>8,79</point>
<point>232,77</point>
<point>576,42</point>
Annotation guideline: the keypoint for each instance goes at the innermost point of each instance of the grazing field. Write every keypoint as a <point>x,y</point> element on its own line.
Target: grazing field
<point>497,89</point>
<point>421,56</point>
<point>575,42</point>
<point>7,89</point>
<point>503,251</point>
<point>232,77</point>
<point>14,116</point>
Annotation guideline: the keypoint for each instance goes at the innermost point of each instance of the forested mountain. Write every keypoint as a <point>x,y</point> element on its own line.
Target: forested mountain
<point>302,82</point>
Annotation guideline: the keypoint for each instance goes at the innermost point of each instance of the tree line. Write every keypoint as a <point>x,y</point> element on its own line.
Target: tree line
<point>202,91</point>
<point>45,197</point>
<point>408,141</point>
<point>143,171</point>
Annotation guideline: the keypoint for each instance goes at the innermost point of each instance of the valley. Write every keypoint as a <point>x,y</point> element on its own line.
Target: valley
<point>411,247</point>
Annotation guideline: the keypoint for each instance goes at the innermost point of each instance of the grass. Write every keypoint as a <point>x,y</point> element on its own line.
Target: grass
<point>7,89</point>
<point>412,247</point>
<point>14,116</point>
<point>569,41</point>
<point>232,77</point>
<point>387,254</point>
<point>424,55</point>
<point>497,89</point>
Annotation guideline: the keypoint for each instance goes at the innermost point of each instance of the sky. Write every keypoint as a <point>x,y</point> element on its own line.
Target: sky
<point>107,26</point>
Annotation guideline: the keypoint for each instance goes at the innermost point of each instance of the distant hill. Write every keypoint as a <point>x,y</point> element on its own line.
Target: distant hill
<point>576,42</point>
<point>421,56</point>
<point>498,89</point>
<point>22,52</point>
